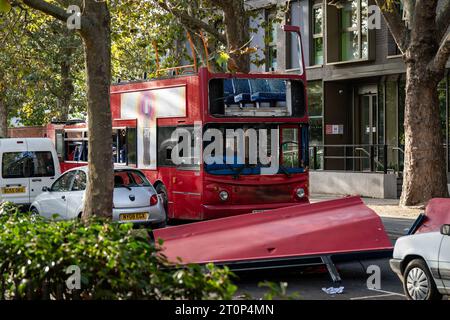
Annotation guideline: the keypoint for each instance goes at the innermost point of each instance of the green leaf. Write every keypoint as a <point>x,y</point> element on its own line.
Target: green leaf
<point>223,58</point>
<point>5,6</point>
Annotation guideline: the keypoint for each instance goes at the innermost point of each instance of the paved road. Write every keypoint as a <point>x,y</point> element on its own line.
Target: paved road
<point>308,283</point>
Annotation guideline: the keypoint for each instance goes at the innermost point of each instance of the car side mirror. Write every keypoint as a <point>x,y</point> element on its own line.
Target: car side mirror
<point>45,189</point>
<point>445,230</point>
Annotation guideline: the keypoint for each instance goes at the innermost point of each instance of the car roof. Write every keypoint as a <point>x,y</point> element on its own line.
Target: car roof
<point>116,168</point>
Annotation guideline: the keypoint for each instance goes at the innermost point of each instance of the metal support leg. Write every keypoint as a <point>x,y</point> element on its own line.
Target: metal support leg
<point>331,269</point>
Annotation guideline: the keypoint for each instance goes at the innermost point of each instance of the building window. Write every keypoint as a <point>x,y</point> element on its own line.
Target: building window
<point>315,111</point>
<point>353,18</point>
<point>317,31</point>
<point>272,26</point>
<point>393,49</point>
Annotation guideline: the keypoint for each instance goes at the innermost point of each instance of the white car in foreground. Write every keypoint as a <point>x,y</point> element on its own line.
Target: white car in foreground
<point>422,261</point>
<point>135,200</point>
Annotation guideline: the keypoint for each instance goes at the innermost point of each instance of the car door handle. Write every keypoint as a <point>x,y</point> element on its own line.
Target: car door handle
<point>36,180</point>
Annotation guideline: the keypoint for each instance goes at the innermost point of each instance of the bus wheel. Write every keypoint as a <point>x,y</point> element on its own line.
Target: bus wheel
<point>162,191</point>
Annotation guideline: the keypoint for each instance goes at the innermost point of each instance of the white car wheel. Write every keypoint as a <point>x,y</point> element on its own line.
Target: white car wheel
<point>417,284</point>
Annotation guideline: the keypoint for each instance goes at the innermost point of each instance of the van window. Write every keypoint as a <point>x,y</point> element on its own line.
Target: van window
<point>27,164</point>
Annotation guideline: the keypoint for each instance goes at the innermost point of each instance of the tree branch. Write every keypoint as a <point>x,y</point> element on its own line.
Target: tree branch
<point>398,29</point>
<point>442,56</point>
<point>443,21</point>
<point>48,8</point>
<point>192,22</point>
<point>221,3</point>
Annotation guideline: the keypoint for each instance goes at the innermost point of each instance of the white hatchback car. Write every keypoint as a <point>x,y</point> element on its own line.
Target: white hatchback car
<point>135,200</point>
<point>422,261</point>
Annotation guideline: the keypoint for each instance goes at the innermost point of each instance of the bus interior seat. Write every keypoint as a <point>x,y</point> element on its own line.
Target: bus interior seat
<point>241,91</point>
<point>272,91</point>
<point>228,92</point>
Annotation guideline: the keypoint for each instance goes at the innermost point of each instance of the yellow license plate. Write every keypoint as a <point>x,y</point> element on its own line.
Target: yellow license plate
<point>11,190</point>
<point>133,216</point>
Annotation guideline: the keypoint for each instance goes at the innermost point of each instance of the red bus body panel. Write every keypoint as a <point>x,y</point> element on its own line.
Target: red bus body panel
<point>437,213</point>
<point>325,228</point>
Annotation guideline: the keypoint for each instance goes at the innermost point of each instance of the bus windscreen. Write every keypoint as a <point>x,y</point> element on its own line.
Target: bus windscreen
<point>256,97</point>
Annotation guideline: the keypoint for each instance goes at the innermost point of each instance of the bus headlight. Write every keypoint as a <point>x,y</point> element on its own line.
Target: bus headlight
<point>300,192</point>
<point>223,195</point>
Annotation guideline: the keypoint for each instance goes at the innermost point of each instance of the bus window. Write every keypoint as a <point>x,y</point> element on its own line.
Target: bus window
<point>165,146</point>
<point>59,142</point>
<point>75,145</point>
<point>166,143</point>
<point>256,97</point>
<point>120,146</point>
<point>131,147</point>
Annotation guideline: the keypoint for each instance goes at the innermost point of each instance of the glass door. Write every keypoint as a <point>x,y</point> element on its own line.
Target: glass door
<point>368,129</point>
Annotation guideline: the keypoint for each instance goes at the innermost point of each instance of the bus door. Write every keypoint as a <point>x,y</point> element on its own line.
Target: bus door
<point>186,191</point>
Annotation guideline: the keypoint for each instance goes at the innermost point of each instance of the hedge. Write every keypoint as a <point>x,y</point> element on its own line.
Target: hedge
<point>113,263</point>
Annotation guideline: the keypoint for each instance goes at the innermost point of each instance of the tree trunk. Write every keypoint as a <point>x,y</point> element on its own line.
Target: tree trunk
<point>237,33</point>
<point>97,43</point>
<point>3,119</point>
<point>425,172</point>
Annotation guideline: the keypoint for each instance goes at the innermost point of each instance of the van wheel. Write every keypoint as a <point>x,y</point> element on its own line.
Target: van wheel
<point>34,211</point>
<point>418,282</point>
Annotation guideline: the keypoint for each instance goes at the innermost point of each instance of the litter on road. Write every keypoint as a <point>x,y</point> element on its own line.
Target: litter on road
<point>332,290</point>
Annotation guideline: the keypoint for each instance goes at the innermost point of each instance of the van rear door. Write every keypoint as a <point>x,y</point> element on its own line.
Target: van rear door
<point>15,165</point>
<point>45,165</point>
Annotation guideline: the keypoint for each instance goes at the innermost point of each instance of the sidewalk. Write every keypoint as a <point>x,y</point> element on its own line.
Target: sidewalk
<point>383,207</point>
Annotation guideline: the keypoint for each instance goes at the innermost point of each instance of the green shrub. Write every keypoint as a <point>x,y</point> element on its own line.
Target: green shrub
<point>114,263</point>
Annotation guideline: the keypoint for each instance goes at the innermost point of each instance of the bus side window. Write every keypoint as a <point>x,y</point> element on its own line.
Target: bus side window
<point>297,91</point>
<point>59,142</point>
<point>130,148</point>
<point>165,146</point>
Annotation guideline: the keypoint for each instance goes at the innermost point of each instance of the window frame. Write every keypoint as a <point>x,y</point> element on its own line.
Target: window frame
<point>316,116</point>
<point>358,29</point>
<point>315,36</point>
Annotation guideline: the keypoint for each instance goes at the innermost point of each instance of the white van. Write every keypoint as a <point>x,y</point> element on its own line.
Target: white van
<point>27,165</point>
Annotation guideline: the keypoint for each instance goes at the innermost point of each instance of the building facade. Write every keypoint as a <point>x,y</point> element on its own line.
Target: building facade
<point>356,86</point>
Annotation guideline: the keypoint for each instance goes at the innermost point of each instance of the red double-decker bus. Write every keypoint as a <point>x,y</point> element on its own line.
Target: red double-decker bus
<point>147,113</point>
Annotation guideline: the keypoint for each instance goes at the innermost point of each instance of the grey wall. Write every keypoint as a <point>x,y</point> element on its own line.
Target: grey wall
<point>374,185</point>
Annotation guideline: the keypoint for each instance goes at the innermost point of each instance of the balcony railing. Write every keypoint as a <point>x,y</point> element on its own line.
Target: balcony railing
<point>357,157</point>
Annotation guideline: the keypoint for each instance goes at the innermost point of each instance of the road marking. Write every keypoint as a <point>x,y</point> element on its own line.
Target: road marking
<point>385,294</point>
